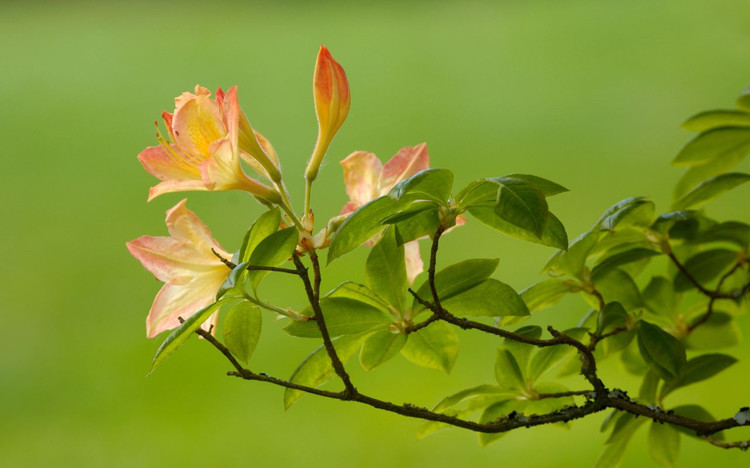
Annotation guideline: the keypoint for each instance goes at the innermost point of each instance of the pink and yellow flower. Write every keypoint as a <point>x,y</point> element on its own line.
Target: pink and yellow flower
<point>208,139</point>
<point>332,101</point>
<point>191,273</point>
<point>366,179</point>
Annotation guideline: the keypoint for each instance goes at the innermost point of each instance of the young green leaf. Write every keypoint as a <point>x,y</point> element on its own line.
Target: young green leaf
<point>317,369</point>
<point>697,369</point>
<point>264,226</point>
<point>242,329</point>
<point>661,351</point>
<point>385,271</point>
<point>659,297</point>
<point>358,292</point>
<point>490,298</point>
<point>610,215</point>
<point>236,279</point>
<point>743,101</point>
<point>612,316</point>
<point>625,427</point>
<point>547,293</point>
<point>272,251</point>
<point>553,232</point>
<point>470,393</point>
<point>710,189</point>
<point>719,142</point>
<point>649,386</point>
<point>638,213</point>
<point>434,347</point>
<point>697,174</point>
<point>422,224</point>
<point>709,120</point>
<point>664,444</point>
<point>361,225</point>
<point>507,371</point>
<point>480,193</point>
<point>456,278</point>
<point>180,335</point>
<point>610,262</point>
<point>616,285</point>
<point>547,187</point>
<point>719,331</point>
<point>573,261</point>
<point>379,347</point>
<point>495,412</point>
<point>429,184</point>
<point>408,213</point>
<point>522,351</point>
<point>704,267</point>
<point>343,316</point>
<point>521,204</point>
<point>733,232</point>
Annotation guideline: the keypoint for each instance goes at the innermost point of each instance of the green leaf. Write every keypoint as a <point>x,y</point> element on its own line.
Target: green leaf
<point>731,231</point>
<point>264,226</point>
<point>620,342</point>
<point>470,393</point>
<point>385,271</point>
<point>546,358</point>
<point>180,335</point>
<point>614,450</point>
<point>317,369</point>
<point>547,293</point>
<point>547,187</point>
<point>235,279</point>
<point>630,357</point>
<point>659,297</point>
<point>697,369</point>
<point>573,261</point>
<point>429,184</point>
<point>704,267</point>
<point>422,224</point>
<point>272,251</point>
<point>698,413</point>
<point>610,215</point>
<point>522,351</point>
<point>410,212</point>
<point>361,225</point>
<point>719,331</point>
<point>358,292</point>
<point>379,347</point>
<point>709,120</point>
<point>649,385</point>
<point>743,101</point>
<point>491,298</point>
<point>455,279</point>
<point>697,174</point>
<point>616,285</point>
<point>717,143</point>
<point>434,347</point>
<point>613,315</point>
<point>343,316</point>
<point>507,371</point>
<point>711,188</point>
<point>242,330</point>
<point>553,234</point>
<point>610,262</point>
<point>664,444</point>
<point>665,222</point>
<point>521,204</point>
<point>480,193</point>
<point>662,352</point>
<point>495,412</point>
<point>639,212</point>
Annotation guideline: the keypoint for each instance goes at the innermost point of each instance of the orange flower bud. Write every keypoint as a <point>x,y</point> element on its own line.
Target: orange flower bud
<point>332,99</point>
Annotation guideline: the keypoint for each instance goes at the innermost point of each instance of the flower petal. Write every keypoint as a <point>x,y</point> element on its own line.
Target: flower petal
<point>197,122</point>
<point>187,227</point>
<point>170,186</point>
<point>414,265</point>
<point>361,175</point>
<point>164,166</point>
<point>168,258</point>
<point>407,162</point>
<point>182,300</point>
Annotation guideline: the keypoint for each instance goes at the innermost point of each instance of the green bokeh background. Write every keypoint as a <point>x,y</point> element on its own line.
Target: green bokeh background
<point>588,93</point>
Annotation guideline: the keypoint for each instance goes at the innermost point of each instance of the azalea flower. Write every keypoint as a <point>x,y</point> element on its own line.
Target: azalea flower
<point>186,264</point>
<point>332,101</point>
<point>208,139</point>
<point>366,179</point>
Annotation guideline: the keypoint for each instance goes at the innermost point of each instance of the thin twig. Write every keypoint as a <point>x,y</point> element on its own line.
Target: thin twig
<point>710,308</point>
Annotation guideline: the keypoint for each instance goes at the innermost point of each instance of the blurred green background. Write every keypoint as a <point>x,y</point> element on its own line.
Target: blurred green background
<point>588,93</point>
